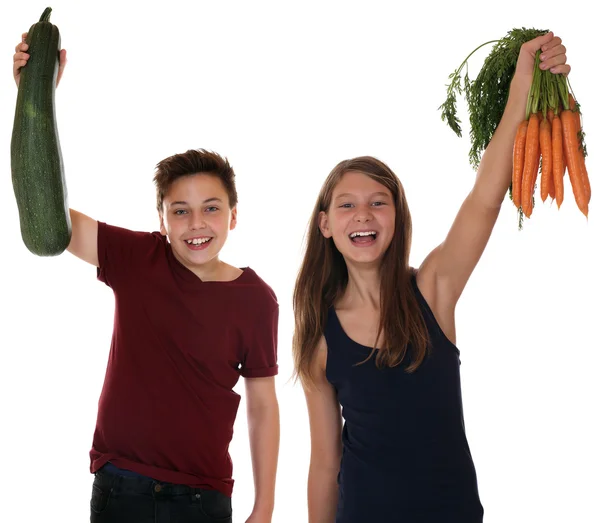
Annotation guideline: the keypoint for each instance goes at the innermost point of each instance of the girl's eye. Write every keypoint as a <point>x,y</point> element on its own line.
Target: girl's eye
<point>346,206</point>
<point>378,204</point>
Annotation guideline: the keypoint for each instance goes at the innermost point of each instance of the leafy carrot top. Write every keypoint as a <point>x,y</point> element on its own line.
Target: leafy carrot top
<point>486,95</point>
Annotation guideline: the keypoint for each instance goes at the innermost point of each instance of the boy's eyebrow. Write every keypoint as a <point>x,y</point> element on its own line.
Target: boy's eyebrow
<point>346,194</point>
<point>208,200</point>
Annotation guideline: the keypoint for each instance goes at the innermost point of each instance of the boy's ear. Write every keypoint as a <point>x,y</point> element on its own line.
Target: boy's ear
<point>233,221</point>
<point>324,224</point>
<point>163,229</point>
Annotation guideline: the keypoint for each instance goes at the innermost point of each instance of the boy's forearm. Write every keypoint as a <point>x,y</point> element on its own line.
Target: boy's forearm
<point>263,426</point>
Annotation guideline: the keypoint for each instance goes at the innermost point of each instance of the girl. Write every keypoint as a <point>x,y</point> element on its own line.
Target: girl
<point>377,337</point>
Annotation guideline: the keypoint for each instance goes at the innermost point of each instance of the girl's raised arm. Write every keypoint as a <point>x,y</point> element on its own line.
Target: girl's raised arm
<point>451,264</point>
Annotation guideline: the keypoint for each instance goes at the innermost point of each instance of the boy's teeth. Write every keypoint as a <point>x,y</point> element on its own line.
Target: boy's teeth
<point>197,241</point>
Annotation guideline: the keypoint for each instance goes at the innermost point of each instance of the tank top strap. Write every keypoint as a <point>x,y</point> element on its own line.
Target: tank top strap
<point>435,331</point>
<point>333,330</point>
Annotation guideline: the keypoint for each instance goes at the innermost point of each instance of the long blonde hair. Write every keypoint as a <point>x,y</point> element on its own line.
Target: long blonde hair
<point>323,278</point>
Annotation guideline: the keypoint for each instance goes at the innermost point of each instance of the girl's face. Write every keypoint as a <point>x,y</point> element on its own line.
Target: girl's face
<point>197,219</point>
<point>361,218</point>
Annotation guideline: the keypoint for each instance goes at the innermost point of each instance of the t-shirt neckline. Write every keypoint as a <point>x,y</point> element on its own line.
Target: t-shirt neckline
<point>193,278</point>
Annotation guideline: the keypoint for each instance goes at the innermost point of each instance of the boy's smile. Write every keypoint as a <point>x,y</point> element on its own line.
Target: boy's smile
<point>198,243</point>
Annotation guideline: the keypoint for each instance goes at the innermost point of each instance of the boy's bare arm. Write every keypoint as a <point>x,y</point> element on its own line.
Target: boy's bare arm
<point>263,428</point>
<point>84,237</point>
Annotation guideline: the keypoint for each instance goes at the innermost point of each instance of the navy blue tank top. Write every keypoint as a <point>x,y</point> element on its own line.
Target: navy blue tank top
<point>405,453</point>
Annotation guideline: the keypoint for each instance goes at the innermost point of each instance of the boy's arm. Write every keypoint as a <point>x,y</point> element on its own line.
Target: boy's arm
<point>263,428</point>
<point>84,230</point>
<point>84,237</point>
<point>325,443</point>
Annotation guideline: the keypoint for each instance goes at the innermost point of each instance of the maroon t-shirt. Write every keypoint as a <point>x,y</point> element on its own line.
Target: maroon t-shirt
<point>179,346</point>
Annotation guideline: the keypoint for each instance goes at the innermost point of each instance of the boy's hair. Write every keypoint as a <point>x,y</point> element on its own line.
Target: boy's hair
<point>194,161</point>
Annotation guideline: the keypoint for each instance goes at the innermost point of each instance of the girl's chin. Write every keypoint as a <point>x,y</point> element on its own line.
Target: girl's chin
<point>367,260</point>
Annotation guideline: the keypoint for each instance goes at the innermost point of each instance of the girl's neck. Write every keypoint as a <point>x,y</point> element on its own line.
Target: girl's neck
<point>363,289</point>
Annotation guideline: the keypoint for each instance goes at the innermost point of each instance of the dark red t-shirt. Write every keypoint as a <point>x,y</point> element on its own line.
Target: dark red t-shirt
<point>179,346</point>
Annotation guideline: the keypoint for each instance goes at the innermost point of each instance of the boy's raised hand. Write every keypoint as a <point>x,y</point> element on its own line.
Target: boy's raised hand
<point>21,56</point>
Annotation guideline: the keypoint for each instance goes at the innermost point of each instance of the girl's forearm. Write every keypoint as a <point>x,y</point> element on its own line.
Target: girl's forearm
<point>495,170</point>
<point>322,494</point>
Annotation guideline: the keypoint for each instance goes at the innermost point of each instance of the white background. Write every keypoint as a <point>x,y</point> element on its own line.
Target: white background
<point>286,90</point>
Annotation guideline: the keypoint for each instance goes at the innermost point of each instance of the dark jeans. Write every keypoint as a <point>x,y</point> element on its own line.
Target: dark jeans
<point>119,498</point>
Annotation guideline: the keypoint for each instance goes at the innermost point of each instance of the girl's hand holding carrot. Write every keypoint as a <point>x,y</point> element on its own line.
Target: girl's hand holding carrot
<point>553,58</point>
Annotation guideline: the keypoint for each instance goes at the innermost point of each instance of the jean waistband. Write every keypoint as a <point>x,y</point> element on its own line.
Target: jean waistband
<point>109,467</point>
<point>111,476</point>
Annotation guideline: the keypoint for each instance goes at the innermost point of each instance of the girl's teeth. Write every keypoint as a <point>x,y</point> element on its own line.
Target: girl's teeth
<point>368,233</point>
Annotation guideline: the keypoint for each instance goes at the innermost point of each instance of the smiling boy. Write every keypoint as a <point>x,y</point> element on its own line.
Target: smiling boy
<point>187,326</point>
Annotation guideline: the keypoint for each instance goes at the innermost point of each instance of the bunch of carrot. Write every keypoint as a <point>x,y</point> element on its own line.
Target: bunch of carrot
<point>552,133</point>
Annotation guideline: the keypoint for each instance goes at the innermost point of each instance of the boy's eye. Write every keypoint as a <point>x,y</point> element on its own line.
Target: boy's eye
<point>179,212</point>
<point>212,209</point>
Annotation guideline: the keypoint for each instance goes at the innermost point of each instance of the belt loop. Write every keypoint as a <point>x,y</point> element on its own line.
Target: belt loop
<point>114,484</point>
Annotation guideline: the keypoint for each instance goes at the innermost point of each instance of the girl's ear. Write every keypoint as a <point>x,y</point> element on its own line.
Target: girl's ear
<point>324,224</point>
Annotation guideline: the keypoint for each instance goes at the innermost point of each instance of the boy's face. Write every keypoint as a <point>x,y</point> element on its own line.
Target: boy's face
<point>196,218</point>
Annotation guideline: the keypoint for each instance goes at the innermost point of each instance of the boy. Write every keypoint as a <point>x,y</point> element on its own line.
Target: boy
<point>187,325</point>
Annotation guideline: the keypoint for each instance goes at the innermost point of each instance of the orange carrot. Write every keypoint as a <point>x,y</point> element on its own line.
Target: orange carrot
<point>571,152</point>
<point>586,179</point>
<point>551,187</point>
<point>518,161</point>
<point>558,162</point>
<point>531,164</point>
<point>546,147</point>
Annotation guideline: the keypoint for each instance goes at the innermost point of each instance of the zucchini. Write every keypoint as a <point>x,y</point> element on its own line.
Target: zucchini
<point>36,159</point>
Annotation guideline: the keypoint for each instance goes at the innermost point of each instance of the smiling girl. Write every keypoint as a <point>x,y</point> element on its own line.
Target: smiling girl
<point>377,337</point>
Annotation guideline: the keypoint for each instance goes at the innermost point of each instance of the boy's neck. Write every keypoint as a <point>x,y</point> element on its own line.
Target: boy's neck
<point>214,270</point>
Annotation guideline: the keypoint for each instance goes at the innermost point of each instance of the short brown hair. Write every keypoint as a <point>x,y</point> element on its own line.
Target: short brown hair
<point>194,161</point>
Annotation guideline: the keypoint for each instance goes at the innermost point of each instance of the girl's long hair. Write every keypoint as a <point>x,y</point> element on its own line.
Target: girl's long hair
<point>323,278</point>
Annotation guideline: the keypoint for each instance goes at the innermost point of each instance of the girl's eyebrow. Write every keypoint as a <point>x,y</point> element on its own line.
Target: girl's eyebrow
<point>347,194</point>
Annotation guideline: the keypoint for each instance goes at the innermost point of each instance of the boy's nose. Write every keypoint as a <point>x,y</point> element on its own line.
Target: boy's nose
<point>197,222</point>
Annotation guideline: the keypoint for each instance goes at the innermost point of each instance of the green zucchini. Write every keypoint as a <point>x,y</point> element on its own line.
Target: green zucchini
<point>36,159</point>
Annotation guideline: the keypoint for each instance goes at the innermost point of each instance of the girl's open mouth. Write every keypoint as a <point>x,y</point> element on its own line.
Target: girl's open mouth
<point>363,238</point>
